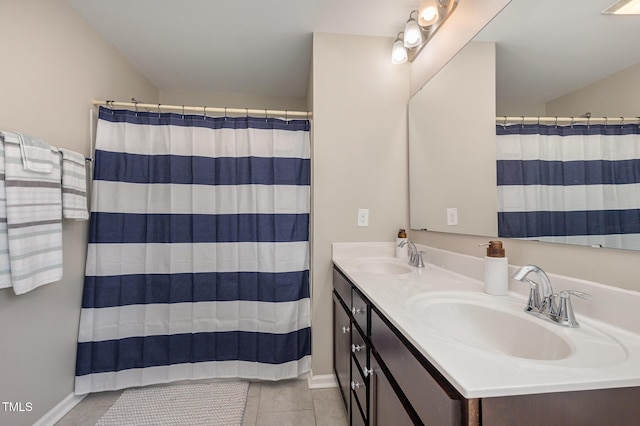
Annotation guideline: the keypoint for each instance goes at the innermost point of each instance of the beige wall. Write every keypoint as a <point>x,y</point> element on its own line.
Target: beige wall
<point>232,100</point>
<point>452,145</point>
<point>53,65</point>
<point>359,159</point>
<point>617,95</point>
<point>466,21</point>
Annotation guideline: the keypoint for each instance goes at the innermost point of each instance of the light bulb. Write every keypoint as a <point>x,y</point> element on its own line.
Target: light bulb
<point>429,13</point>
<point>398,52</point>
<point>412,34</point>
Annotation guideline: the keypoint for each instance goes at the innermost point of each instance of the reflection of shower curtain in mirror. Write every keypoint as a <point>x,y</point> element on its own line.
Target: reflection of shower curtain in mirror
<point>198,257</point>
<point>570,184</point>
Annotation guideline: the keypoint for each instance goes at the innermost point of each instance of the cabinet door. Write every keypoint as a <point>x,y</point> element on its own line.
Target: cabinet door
<point>342,348</point>
<point>435,401</point>
<point>386,408</point>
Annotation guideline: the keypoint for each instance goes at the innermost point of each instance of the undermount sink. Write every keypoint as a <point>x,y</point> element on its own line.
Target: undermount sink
<point>383,266</point>
<point>500,326</point>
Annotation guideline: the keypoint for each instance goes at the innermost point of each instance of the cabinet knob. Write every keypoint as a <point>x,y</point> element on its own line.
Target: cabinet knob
<point>356,311</point>
<point>345,330</point>
<point>356,348</point>
<point>355,385</point>
<point>367,371</point>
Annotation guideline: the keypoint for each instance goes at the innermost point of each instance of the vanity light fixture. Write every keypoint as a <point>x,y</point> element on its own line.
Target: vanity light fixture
<point>429,12</point>
<point>417,33</point>
<point>623,7</point>
<point>398,52</point>
<point>412,33</point>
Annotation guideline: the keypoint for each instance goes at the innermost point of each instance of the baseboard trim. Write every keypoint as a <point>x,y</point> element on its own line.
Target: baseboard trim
<point>56,413</point>
<point>321,381</point>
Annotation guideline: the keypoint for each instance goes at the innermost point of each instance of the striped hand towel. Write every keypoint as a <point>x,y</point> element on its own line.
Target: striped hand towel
<point>74,185</point>
<point>5,270</point>
<point>36,154</point>
<point>34,220</point>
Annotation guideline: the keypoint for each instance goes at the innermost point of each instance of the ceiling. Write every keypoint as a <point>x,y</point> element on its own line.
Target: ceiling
<point>547,48</point>
<point>263,47</point>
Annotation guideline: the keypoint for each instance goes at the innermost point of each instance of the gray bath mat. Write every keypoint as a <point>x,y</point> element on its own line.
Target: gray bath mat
<point>194,404</point>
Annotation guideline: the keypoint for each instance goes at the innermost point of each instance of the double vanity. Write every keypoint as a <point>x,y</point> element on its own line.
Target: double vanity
<point>428,346</point>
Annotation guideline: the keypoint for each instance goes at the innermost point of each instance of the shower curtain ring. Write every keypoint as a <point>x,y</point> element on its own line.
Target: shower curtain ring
<point>572,122</point>
<point>522,122</point>
<point>225,113</point>
<point>247,110</point>
<point>606,120</point>
<point>266,116</point>
<point>622,122</point>
<point>556,121</point>
<point>205,113</point>
<point>182,111</point>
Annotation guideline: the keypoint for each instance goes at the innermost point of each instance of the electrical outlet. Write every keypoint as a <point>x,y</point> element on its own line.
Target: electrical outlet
<point>452,216</point>
<point>363,217</point>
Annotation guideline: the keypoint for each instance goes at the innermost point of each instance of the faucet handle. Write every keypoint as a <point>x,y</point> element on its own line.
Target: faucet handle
<point>550,305</point>
<point>580,294</point>
<point>566,315</point>
<point>419,260</point>
<point>534,303</point>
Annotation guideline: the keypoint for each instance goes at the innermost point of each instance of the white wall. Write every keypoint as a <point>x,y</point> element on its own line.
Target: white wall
<point>53,65</point>
<point>359,156</point>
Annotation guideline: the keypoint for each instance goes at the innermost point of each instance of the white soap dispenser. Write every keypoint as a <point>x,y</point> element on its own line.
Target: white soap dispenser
<point>496,270</point>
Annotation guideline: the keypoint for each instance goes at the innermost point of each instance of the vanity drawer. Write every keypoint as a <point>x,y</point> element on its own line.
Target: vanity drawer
<point>417,384</point>
<point>359,348</point>
<point>342,287</point>
<point>360,311</point>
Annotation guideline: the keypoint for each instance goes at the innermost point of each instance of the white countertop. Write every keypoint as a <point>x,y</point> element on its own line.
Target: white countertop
<point>479,373</point>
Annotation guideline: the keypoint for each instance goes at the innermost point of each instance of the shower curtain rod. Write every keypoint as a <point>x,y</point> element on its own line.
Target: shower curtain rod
<point>205,109</point>
<point>567,120</point>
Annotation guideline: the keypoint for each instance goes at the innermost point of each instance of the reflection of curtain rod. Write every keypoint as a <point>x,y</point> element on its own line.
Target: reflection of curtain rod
<point>205,109</point>
<point>568,120</point>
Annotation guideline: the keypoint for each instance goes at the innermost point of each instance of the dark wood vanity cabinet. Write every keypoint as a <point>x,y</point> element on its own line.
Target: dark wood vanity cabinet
<point>385,380</point>
<point>386,384</point>
<point>351,348</point>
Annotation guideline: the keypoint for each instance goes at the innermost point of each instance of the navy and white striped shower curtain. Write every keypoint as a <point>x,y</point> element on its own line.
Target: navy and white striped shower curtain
<point>198,256</point>
<point>575,184</point>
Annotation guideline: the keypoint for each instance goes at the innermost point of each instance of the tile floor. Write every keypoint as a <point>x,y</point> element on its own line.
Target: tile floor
<point>284,403</point>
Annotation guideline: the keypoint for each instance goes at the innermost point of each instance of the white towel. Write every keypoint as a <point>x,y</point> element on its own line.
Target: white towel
<point>74,185</point>
<point>34,220</point>
<point>5,270</point>
<point>36,154</point>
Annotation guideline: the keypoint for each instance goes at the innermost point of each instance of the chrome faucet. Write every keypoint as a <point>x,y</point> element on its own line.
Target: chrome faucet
<point>537,303</point>
<point>547,305</point>
<point>415,256</point>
